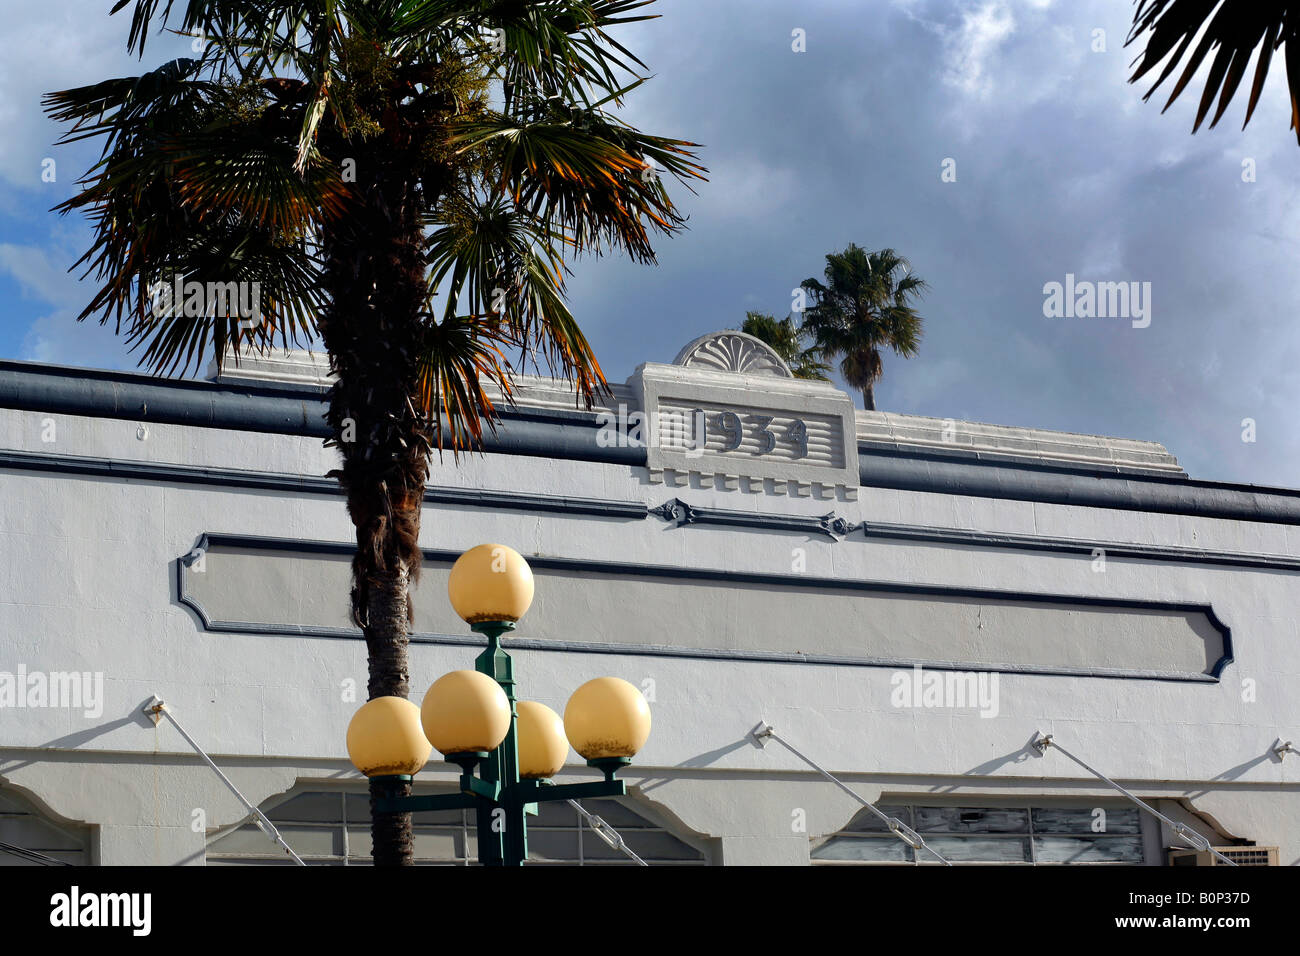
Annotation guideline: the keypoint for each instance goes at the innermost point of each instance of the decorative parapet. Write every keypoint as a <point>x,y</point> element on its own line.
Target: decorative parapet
<point>765,431</point>
<point>733,352</point>
<point>275,367</point>
<point>729,413</point>
<point>919,434</point>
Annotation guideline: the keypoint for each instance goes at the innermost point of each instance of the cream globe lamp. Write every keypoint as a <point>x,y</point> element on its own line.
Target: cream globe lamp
<point>543,746</point>
<point>507,752</point>
<point>385,738</point>
<point>491,584</point>
<point>607,720</point>
<point>465,716</point>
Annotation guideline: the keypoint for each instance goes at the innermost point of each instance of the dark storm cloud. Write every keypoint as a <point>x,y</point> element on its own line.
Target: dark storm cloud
<point>1061,169</point>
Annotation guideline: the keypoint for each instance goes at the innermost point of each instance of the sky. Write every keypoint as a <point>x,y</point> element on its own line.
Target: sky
<point>995,143</point>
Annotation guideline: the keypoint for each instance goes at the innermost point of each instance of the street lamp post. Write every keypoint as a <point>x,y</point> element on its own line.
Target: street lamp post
<point>473,719</point>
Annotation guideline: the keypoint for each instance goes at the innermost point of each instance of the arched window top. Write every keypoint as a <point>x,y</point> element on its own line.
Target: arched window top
<point>332,828</point>
<point>31,837</point>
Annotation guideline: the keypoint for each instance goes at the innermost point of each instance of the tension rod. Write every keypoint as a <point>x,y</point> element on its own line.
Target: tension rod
<point>1042,741</point>
<point>896,826</point>
<point>155,709</point>
<point>606,832</point>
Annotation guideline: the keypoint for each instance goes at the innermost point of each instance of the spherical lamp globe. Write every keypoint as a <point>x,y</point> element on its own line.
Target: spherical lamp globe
<point>607,718</point>
<point>465,712</point>
<point>385,738</point>
<point>490,582</point>
<point>543,746</point>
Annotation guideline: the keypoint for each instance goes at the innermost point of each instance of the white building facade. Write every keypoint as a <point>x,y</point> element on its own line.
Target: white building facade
<point>907,601</point>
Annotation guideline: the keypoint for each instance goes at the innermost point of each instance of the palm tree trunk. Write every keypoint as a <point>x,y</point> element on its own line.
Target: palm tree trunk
<point>869,398</point>
<point>392,839</point>
<point>374,274</point>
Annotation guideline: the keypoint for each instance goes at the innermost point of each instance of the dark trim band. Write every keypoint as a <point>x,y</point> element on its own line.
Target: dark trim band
<point>830,526</point>
<point>573,435</point>
<point>1113,549</point>
<point>29,386</point>
<point>308,484</point>
<point>1029,481</point>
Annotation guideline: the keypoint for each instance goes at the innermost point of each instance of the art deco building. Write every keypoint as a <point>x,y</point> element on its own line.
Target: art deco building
<point>908,602</point>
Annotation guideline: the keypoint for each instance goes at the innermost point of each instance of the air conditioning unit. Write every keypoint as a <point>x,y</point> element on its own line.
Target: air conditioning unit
<point>1241,855</point>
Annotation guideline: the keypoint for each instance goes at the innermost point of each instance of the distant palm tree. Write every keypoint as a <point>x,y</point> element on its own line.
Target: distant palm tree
<point>787,341</point>
<point>1234,28</point>
<point>865,306</point>
<point>350,160</point>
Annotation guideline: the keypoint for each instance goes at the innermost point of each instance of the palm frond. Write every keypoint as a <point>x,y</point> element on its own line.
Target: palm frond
<point>1231,30</point>
<point>593,183</point>
<point>460,355</point>
<point>196,183</point>
<point>225,166</point>
<point>491,261</point>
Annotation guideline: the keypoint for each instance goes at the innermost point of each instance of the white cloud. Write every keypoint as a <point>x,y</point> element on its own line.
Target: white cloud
<point>37,272</point>
<point>751,189</point>
<point>973,36</point>
<point>983,30</point>
<point>55,45</point>
<point>59,339</point>
<point>56,336</point>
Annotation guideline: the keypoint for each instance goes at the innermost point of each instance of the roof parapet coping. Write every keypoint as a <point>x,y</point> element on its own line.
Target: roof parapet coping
<point>310,369</point>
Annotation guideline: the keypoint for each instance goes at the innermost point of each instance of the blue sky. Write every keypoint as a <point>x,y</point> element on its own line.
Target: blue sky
<point>1060,169</point>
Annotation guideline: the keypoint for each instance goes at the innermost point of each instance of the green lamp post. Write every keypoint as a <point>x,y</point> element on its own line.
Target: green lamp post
<point>474,721</point>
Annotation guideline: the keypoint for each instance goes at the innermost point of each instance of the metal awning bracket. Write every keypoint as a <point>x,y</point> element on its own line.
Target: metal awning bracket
<point>1185,833</point>
<point>156,709</point>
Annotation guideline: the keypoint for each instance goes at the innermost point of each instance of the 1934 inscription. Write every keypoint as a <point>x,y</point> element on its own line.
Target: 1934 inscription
<point>732,429</point>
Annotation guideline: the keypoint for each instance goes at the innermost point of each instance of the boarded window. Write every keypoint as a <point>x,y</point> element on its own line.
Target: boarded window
<point>1102,833</point>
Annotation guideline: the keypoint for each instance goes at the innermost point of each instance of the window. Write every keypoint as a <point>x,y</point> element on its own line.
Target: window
<point>23,827</point>
<point>332,828</point>
<point>1047,834</point>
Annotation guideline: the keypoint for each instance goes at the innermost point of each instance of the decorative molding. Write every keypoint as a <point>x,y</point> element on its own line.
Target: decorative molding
<point>309,484</point>
<point>573,566</point>
<point>836,526</point>
<point>1114,549</point>
<point>731,351</point>
<point>1058,484</point>
<point>674,510</point>
<point>295,367</point>
<point>308,370</point>
<point>830,524</point>
<point>868,450</point>
<point>274,408</point>
<point>683,513</point>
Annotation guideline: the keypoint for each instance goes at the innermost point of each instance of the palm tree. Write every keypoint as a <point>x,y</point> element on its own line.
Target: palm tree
<point>787,341</point>
<point>351,160</point>
<point>864,306</point>
<point>1234,28</point>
